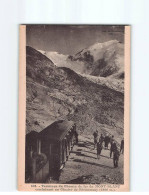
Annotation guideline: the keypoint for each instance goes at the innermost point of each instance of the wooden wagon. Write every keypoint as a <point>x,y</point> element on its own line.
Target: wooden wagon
<point>55,142</point>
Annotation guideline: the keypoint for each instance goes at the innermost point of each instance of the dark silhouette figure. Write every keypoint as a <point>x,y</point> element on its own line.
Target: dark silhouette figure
<point>76,136</point>
<point>112,139</point>
<point>116,155</point>
<point>107,141</point>
<point>101,139</point>
<point>113,148</point>
<point>99,149</point>
<point>95,134</point>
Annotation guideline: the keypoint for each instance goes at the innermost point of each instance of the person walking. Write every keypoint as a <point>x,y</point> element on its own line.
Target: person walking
<point>116,155</point>
<point>76,136</point>
<point>113,148</point>
<point>122,146</point>
<point>95,134</point>
<point>111,143</point>
<point>107,141</point>
<point>99,149</point>
<point>101,139</point>
<point>111,139</point>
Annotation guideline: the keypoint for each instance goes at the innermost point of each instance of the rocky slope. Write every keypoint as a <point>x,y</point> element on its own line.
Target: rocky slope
<point>55,93</point>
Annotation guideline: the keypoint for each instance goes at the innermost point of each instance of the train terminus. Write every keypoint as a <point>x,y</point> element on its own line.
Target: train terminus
<point>48,150</point>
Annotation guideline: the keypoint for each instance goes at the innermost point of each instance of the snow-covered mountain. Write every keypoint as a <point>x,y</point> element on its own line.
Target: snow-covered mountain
<point>102,63</point>
<point>102,59</point>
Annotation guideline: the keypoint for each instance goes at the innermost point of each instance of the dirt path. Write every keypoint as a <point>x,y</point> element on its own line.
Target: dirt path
<point>84,167</point>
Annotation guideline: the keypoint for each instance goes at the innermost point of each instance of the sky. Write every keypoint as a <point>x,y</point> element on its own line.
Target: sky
<point>70,39</point>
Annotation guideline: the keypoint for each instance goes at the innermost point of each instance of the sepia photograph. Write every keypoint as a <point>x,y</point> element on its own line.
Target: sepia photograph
<point>75,85</point>
<point>74,98</point>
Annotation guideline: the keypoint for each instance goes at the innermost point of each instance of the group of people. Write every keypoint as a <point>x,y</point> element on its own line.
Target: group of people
<point>105,141</point>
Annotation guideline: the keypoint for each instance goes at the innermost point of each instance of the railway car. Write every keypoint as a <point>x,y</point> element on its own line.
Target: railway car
<point>57,141</point>
<point>54,143</point>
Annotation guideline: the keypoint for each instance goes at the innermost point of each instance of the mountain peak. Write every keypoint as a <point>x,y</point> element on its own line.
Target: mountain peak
<point>100,59</point>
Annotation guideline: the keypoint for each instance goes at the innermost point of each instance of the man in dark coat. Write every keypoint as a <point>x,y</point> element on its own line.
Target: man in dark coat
<point>76,136</point>
<point>107,141</point>
<point>99,149</point>
<point>101,139</point>
<point>116,155</point>
<point>95,134</point>
<point>113,148</point>
<point>112,139</point>
<point>122,146</point>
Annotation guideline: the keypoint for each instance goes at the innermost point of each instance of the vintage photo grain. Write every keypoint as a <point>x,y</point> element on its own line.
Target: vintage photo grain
<point>74,108</point>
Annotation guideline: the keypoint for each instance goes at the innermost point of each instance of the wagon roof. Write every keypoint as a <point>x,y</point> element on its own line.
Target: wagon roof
<point>57,130</point>
<point>32,135</point>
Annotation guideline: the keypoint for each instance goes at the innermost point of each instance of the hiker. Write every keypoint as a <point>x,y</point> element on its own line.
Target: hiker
<point>116,155</point>
<point>76,136</point>
<point>122,146</point>
<point>107,141</point>
<point>111,139</point>
<point>101,139</point>
<point>113,148</point>
<point>111,142</point>
<point>95,134</point>
<point>99,149</point>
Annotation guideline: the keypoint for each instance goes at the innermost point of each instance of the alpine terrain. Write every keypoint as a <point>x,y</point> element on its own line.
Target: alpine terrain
<point>87,88</point>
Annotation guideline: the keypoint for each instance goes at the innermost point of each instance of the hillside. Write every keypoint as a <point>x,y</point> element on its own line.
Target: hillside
<point>55,93</point>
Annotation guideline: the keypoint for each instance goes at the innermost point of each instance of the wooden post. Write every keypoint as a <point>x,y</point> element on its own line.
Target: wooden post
<point>34,169</point>
<point>65,152</point>
<point>50,160</point>
<point>31,153</point>
<point>50,150</point>
<point>39,147</point>
<point>60,152</point>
